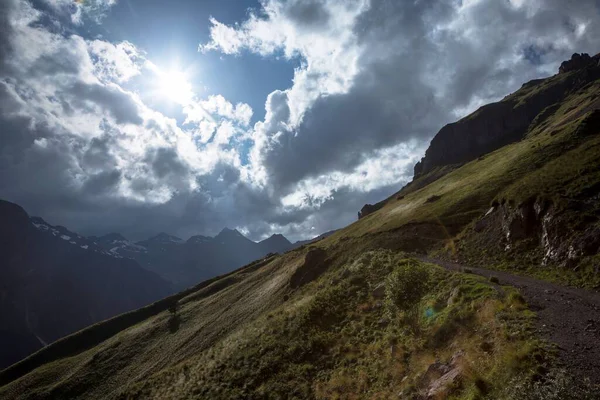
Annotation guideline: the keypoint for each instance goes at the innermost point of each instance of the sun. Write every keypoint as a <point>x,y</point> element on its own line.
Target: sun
<point>172,84</point>
<point>175,86</point>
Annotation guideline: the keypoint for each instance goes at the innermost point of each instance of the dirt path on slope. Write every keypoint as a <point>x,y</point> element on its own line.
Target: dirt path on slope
<point>566,316</point>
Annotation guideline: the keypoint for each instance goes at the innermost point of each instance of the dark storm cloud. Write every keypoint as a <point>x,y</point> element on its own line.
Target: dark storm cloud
<point>97,155</point>
<point>165,166</point>
<point>165,161</point>
<point>391,100</point>
<point>102,182</point>
<point>54,64</point>
<point>387,105</point>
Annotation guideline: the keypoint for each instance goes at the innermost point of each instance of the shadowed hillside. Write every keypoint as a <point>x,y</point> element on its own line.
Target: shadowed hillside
<point>51,287</point>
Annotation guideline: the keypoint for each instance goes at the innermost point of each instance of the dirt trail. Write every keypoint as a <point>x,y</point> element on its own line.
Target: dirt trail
<point>566,316</point>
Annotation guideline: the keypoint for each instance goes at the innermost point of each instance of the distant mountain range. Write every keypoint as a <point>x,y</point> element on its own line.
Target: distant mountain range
<point>54,281</point>
<point>181,262</point>
<point>187,262</point>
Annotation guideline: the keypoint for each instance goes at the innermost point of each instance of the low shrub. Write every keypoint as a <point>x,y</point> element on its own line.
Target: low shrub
<point>404,288</point>
<point>407,284</point>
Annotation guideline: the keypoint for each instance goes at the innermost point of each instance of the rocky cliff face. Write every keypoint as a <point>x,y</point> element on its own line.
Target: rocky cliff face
<point>541,225</point>
<point>498,124</point>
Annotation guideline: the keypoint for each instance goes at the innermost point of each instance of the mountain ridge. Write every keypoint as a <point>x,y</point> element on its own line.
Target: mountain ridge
<point>503,122</point>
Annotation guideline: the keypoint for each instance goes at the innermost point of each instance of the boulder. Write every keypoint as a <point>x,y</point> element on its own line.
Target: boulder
<point>439,386</point>
<point>450,374</point>
<point>314,265</point>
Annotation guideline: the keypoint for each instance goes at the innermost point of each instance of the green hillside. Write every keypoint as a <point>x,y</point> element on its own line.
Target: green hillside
<point>355,329</point>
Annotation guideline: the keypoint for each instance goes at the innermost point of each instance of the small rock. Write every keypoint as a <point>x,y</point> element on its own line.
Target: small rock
<point>435,370</point>
<point>433,198</point>
<point>379,291</point>
<point>453,296</point>
<point>383,322</point>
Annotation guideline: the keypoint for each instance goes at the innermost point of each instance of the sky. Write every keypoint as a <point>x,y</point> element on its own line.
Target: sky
<point>273,116</point>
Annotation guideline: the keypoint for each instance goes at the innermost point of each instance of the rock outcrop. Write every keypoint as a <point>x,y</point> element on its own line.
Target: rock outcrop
<point>488,129</point>
<point>576,62</point>
<point>369,209</point>
<point>541,224</point>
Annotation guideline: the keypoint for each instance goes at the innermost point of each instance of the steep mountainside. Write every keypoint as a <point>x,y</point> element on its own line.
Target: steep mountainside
<point>498,124</point>
<point>359,314</point>
<point>532,205</point>
<point>54,282</point>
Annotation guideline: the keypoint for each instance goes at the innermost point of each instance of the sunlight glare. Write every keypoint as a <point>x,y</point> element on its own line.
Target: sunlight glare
<point>175,86</point>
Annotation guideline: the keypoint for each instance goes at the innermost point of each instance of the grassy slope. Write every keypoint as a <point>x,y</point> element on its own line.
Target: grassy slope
<point>331,339</point>
<point>148,346</point>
